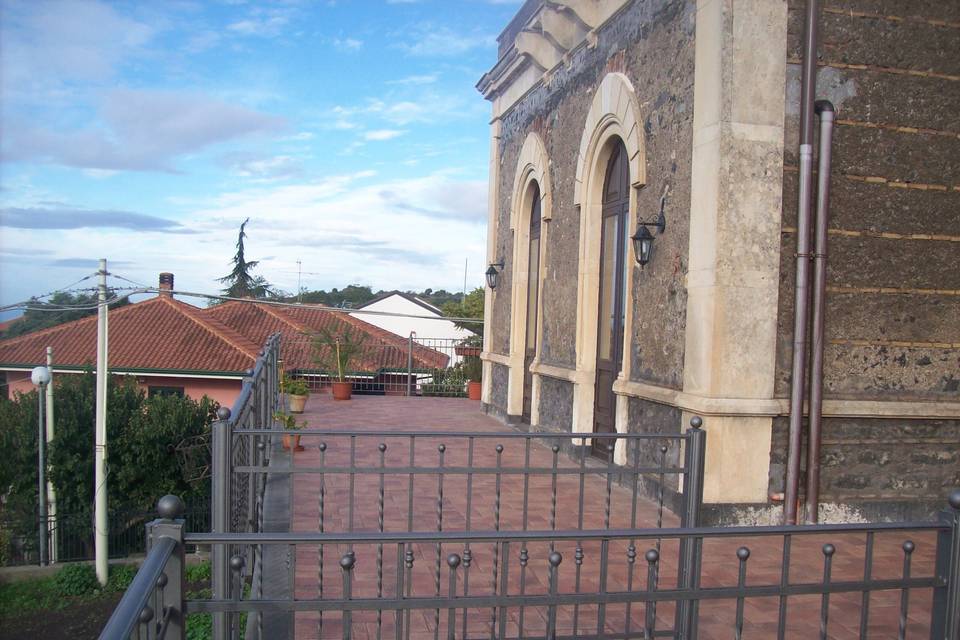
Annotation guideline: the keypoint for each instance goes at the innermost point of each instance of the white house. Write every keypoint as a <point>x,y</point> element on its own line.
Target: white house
<point>431,328</point>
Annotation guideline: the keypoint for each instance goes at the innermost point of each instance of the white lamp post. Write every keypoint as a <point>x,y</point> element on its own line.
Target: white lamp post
<point>40,377</point>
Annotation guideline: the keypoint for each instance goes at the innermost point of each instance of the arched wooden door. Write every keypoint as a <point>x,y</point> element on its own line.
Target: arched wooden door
<point>613,282</point>
<point>533,292</point>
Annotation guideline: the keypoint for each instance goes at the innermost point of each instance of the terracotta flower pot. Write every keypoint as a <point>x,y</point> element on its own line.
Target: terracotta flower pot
<point>289,439</point>
<point>297,403</point>
<point>342,390</point>
<point>473,390</point>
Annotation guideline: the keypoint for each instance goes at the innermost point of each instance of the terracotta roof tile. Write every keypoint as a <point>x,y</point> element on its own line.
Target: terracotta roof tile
<point>160,333</point>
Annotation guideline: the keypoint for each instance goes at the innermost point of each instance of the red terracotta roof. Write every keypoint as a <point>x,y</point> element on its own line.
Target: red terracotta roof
<point>381,349</point>
<point>159,334</point>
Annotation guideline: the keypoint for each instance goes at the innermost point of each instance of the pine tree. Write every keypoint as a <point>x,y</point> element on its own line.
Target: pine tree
<point>240,282</point>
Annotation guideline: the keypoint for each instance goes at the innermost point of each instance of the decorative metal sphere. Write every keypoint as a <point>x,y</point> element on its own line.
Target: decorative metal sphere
<point>555,559</point>
<point>652,556</point>
<point>555,448</point>
<point>146,615</point>
<point>323,446</point>
<point>223,413</point>
<point>170,507</point>
<point>743,553</point>
<point>499,448</point>
<point>442,448</point>
<point>908,546</point>
<point>382,447</point>
<point>954,499</point>
<point>347,561</point>
<point>696,422</point>
<point>162,581</point>
<point>829,549</point>
<point>237,563</point>
<point>40,376</point>
<point>453,561</point>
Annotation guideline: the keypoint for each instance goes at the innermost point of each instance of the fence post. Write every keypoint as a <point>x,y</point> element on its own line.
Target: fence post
<point>170,586</point>
<point>688,577</point>
<point>410,364</point>
<point>220,521</point>
<point>945,614</point>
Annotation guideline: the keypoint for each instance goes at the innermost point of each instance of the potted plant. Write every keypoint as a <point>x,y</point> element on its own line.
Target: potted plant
<point>470,346</point>
<point>297,391</point>
<point>473,371</point>
<point>334,352</point>
<point>289,423</point>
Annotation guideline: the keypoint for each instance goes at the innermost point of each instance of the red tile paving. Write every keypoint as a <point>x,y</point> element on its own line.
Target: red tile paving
<point>457,415</point>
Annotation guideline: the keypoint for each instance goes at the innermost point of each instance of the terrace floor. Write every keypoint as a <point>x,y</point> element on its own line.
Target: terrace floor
<point>317,574</point>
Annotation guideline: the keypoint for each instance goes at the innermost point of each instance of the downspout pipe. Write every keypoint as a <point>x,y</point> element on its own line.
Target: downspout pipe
<point>825,111</point>
<point>802,294</point>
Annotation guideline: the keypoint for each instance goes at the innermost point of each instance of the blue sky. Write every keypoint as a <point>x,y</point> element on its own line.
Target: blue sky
<point>349,132</point>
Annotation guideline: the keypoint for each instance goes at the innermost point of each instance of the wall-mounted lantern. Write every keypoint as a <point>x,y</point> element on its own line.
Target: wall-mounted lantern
<point>643,239</point>
<point>493,274</point>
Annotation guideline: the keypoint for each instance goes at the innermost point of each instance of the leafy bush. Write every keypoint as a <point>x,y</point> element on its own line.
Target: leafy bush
<point>120,577</point>
<point>295,386</point>
<point>198,572</point>
<point>76,580</point>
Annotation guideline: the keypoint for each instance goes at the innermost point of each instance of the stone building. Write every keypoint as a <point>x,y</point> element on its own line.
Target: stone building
<point>607,112</point>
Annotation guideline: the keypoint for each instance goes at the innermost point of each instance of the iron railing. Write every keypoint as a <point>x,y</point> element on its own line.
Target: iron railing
<point>411,366</point>
<point>70,535</point>
<point>797,580</point>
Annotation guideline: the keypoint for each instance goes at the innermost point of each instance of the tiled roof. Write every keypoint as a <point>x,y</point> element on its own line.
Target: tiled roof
<point>381,349</point>
<point>157,334</point>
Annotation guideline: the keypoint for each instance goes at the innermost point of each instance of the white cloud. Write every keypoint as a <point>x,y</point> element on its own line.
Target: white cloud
<point>348,44</point>
<point>142,130</point>
<point>416,79</point>
<point>261,22</point>
<point>383,134</point>
<point>430,40</point>
<point>263,169</point>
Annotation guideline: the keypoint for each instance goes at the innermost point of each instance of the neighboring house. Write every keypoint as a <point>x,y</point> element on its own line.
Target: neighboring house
<point>406,304</point>
<point>168,345</point>
<point>174,347</point>
<point>604,112</point>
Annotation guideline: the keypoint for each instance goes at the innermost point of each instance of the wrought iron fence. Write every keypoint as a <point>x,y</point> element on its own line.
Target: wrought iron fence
<point>71,535</point>
<point>788,581</point>
<point>411,366</point>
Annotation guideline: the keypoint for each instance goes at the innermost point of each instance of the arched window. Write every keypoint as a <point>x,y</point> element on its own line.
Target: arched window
<point>612,304</point>
<point>533,293</point>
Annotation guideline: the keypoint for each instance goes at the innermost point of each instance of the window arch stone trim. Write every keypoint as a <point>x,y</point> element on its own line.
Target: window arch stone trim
<point>533,166</point>
<point>614,114</point>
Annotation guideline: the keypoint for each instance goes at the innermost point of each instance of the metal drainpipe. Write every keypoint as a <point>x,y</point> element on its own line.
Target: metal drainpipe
<point>825,111</point>
<point>801,301</point>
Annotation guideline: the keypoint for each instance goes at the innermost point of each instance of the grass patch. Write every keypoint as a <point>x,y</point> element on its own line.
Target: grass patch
<point>73,584</point>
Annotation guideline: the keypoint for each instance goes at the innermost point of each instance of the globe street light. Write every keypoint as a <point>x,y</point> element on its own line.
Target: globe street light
<point>40,377</point>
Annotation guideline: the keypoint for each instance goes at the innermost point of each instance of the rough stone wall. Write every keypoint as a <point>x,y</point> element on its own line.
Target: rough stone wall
<point>892,69</point>
<point>905,461</point>
<point>657,419</point>
<point>556,404</point>
<point>652,43</point>
<point>893,281</point>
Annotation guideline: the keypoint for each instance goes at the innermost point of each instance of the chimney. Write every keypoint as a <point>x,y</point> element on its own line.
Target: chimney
<point>166,284</point>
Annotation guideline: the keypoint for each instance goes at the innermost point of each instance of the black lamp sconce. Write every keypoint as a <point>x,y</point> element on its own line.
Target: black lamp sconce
<point>493,274</point>
<point>643,239</point>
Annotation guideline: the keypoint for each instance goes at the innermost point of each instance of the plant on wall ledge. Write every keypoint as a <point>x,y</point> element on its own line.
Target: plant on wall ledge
<point>334,351</point>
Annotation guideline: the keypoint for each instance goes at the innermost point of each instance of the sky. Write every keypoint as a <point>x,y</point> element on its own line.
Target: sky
<point>349,132</point>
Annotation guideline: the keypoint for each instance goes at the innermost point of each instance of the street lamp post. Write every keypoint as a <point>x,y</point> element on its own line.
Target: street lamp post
<point>40,377</point>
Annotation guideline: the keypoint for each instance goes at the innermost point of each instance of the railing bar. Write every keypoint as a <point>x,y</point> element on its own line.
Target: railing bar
<point>410,483</point>
<point>424,470</point>
<point>408,563</point>
<point>743,554</point>
<point>469,514</point>
<point>602,587</point>
<point>524,557</point>
<point>504,591</point>
<point>125,617</point>
<point>908,548</point>
<point>496,547</point>
<point>380,494</point>
<point>553,495</point>
<point>631,561</point>
<point>467,560</point>
<point>398,614</point>
<point>533,535</point>
<point>784,583</point>
<point>828,551</point>
<point>526,480</point>
<point>439,546</point>
<point>867,575</point>
<point>401,433</point>
<point>353,465</point>
<point>636,486</point>
<point>609,495</point>
<point>578,560</point>
<point>536,600</point>
<point>320,524</point>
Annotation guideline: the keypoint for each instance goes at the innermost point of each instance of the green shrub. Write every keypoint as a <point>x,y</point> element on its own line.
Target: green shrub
<point>76,580</point>
<point>198,572</point>
<point>121,575</point>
